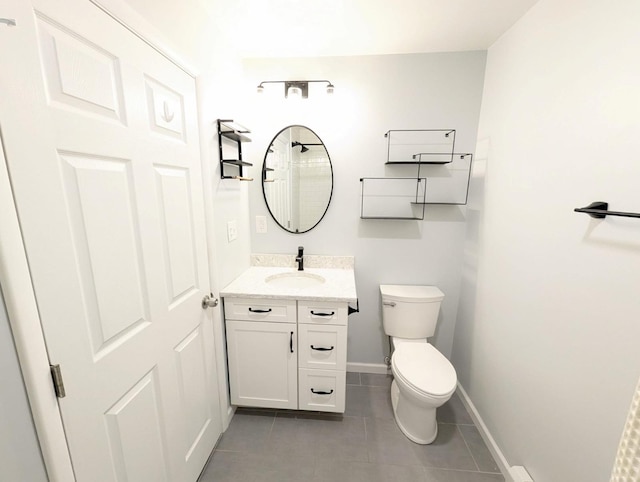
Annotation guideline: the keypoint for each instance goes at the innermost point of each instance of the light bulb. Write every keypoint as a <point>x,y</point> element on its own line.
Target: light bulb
<point>330,89</point>
<point>294,92</point>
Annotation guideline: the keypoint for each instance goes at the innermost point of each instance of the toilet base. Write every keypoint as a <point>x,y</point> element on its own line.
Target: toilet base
<point>418,423</point>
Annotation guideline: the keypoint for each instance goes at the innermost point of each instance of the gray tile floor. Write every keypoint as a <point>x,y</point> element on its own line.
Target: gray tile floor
<point>363,445</point>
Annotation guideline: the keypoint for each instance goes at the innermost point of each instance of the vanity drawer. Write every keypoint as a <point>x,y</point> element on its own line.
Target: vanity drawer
<point>322,390</point>
<point>322,312</point>
<point>260,309</point>
<point>322,346</point>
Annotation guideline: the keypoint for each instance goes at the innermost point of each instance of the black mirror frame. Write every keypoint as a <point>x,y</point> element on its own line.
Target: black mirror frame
<point>264,172</point>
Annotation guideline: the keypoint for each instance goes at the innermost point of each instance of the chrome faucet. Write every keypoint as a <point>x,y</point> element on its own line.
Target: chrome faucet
<point>299,258</point>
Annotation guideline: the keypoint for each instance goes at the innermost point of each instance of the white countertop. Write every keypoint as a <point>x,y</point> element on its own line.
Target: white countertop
<point>339,285</point>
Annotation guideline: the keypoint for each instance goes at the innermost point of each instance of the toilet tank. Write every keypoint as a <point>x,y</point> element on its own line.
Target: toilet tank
<point>410,311</point>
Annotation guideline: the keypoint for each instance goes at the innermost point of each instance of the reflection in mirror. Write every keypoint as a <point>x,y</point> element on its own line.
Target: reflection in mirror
<point>297,179</point>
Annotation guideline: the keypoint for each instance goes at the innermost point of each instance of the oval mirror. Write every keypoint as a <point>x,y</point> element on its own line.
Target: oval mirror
<point>297,179</point>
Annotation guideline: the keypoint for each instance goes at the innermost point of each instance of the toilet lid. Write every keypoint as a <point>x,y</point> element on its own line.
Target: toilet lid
<point>411,294</point>
<point>424,368</point>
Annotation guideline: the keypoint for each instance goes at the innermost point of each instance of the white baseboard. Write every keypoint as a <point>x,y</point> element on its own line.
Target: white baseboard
<point>380,368</point>
<point>511,474</point>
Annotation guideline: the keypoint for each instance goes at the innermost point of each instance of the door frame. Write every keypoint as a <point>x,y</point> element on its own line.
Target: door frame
<point>24,319</point>
<point>19,295</point>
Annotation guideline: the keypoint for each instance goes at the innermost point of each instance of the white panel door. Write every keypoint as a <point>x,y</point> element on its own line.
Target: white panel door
<point>103,151</point>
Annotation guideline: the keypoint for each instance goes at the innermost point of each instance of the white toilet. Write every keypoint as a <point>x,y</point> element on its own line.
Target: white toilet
<point>423,378</point>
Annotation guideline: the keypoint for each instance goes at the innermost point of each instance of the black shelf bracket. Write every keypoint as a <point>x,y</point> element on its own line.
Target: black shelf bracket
<point>600,210</point>
<point>351,310</point>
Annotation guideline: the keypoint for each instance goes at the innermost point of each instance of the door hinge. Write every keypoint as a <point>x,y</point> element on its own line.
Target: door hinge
<point>58,383</point>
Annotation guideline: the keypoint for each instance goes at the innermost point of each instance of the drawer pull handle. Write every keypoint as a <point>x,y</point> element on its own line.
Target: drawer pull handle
<point>322,314</point>
<point>320,348</point>
<point>268,310</point>
<point>321,392</point>
<point>291,342</point>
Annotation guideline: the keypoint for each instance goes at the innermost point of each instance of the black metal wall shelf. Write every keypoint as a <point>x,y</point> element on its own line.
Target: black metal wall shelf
<point>448,181</point>
<point>392,197</point>
<point>448,172</point>
<point>431,158</point>
<point>266,169</point>
<point>600,210</point>
<point>427,146</point>
<point>230,132</point>
<point>233,162</point>
<point>455,157</point>
<point>426,158</point>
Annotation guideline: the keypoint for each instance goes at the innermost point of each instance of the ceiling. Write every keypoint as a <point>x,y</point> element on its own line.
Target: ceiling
<point>309,28</point>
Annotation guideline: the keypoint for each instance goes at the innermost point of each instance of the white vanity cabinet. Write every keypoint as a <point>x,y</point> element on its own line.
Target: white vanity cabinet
<point>287,354</point>
<point>262,345</point>
<point>322,355</point>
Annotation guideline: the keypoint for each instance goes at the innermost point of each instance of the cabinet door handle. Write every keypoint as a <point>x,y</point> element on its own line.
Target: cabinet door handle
<point>291,342</point>
<point>322,314</point>
<point>268,310</point>
<point>320,348</point>
<point>321,392</point>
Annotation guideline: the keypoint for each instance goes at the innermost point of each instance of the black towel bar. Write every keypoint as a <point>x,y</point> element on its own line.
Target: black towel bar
<point>600,210</point>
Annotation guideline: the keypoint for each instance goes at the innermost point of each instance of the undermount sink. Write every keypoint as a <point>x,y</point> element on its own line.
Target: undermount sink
<point>295,279</point>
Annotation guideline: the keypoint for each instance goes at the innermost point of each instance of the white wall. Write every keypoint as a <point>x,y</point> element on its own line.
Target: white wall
<point>546,342</point>
<point>20,457</point>
<point>373,94</point>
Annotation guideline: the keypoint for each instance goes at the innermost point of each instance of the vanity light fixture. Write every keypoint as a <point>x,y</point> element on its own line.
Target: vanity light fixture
<point>295,88</point>
<point>296,91</point>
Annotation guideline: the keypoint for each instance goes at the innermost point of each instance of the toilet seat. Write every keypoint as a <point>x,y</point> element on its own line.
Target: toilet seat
<point>424,369</point>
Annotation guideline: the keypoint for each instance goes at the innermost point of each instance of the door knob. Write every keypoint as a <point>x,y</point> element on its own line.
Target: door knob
<point>209,301</point>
